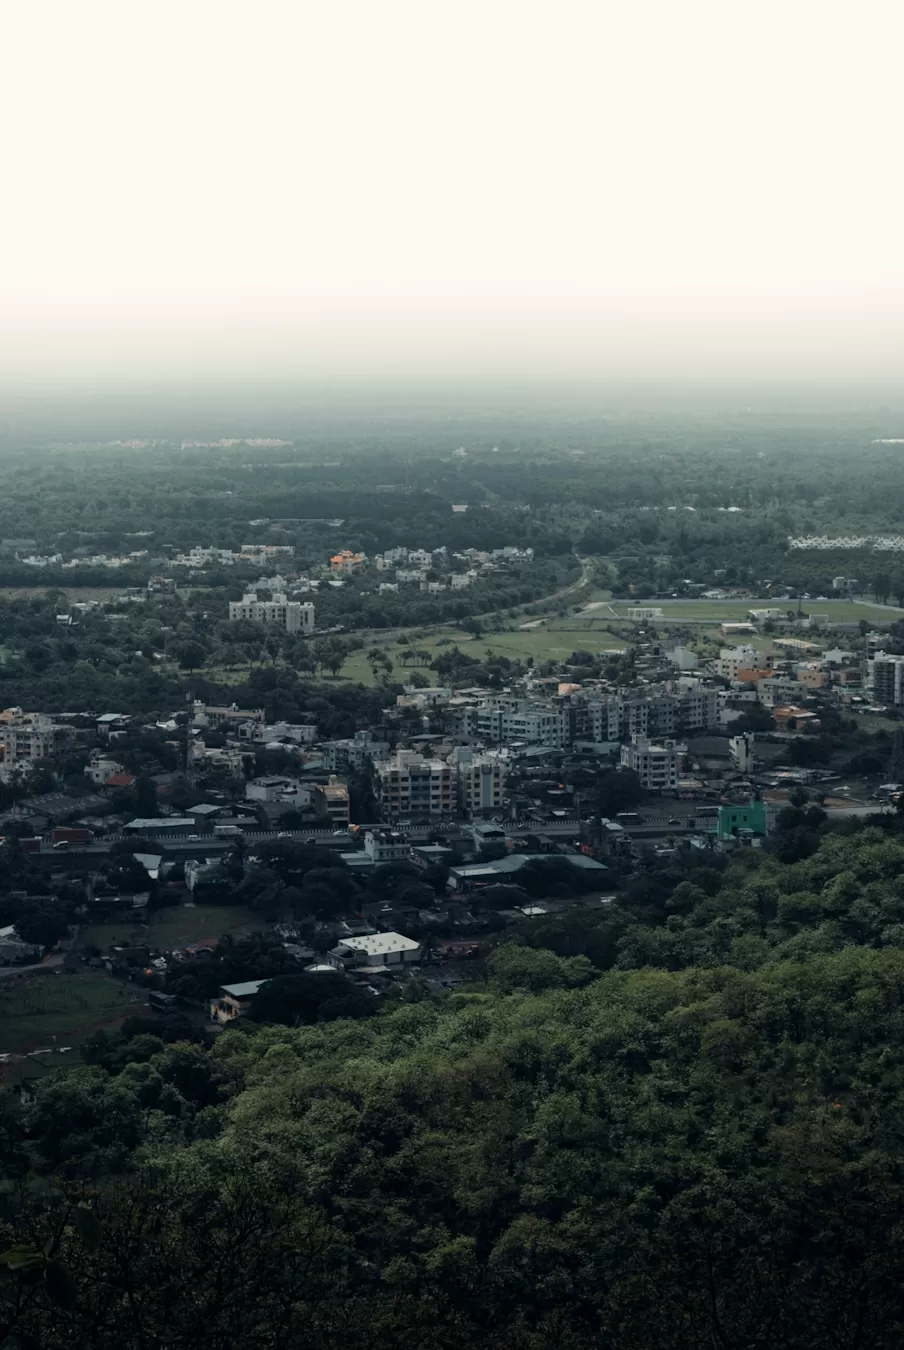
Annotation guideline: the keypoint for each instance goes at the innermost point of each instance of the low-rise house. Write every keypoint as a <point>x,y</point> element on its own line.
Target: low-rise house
<point>234,1000</point>
<point>14,950</point>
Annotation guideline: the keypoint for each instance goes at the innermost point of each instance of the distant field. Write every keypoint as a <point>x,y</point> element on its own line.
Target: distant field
<point>34,1008</point>
<point>71,592</point>
<point>554,639</point>
<point>175,926</point>
<point>719,611</point>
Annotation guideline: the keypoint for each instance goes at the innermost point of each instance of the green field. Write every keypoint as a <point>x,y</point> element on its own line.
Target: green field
<point>719,611</point>
<point>35,1008</point>
<point>176,926</point>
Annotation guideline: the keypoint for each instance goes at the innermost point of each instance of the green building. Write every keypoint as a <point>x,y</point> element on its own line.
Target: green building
<point>740,820</point>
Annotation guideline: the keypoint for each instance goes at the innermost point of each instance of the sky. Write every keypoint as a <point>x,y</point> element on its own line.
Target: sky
<point>674,188</point>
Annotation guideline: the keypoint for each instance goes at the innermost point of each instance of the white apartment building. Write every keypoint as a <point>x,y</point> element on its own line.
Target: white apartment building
<point>481,780</point>
<point>26,737</point>
<point>740,749</point>
<point>733,659</point>
<point>777,690</point>
<point>885,679</point>
<point>383,846</point>
<point>656,765</point>
<point>408,784</point>
<point>295,616</point>
<point>512,719</point>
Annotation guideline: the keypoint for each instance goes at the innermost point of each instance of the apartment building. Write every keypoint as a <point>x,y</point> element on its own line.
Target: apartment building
<point>295,616</point>
<point>507,719</point>
<point>383,846</point>
<point>680,707</point>
<point>885,679</point>
<point>480,780</point>
<point>733,659</point>
<point>331,799</point>
<point>353,753</point>
<point>26,737</point>
<point>409,784</point>
<point>656,764</point>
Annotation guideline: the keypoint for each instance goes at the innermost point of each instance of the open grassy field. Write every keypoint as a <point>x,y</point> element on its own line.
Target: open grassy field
<point>175,926</point>
<point>550,641</point>
<point>719,611</point>
<point>35,1008</point>
<point>71,592</point>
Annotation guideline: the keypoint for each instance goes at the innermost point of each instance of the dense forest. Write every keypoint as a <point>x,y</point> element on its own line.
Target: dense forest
<point>693,1140</point>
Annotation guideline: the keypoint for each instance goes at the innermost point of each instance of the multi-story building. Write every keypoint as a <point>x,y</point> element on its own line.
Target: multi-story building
<point>680,707</point>
<point>26,737</point>
<point>383,846</point>
<point>481,780</point>
<point>354,753</point>
<point>740,750</point>
<point>885,678</point>
<point>733,659</point>
<point>296,616</point>
<point>346,562</point>
<point>331,799</point>
<point>656,765</point>
<point>408,784</point>
<point>508,719</point>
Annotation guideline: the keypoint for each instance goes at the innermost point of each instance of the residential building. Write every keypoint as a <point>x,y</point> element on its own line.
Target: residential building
<point>277,789</point>
<point>234,1000</point>
<point>346,562</point>
<point>225,719</point>
<point>733,659</point>
<point>101,769</point>
<point>356,752</point>
<point>656,765</point>
<point>885,678</point>
<point>740,751</point>
<point>301,733</point>
<point>26,737</point>
<point>383,846</point>
<point>407,783</point>
<point>480,779</point>
<point>331,799</point>
<point>295,616</point>
<point>375,949</point>
<point>14,949</point>
<point>507,719</point>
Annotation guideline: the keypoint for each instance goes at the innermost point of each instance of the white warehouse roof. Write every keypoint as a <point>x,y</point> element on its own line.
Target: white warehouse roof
<point>376,943</point>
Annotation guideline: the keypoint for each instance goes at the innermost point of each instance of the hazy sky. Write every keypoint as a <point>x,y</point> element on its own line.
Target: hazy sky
<point>206,187</point>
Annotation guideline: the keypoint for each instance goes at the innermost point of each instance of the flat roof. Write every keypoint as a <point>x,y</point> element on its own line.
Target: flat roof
<point>245,990</point>
<point>374,943</point>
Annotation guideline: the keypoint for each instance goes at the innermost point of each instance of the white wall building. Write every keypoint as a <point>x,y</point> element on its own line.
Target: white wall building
<point>378,949</point>
<point>481,780</point>
<point>656,765</point>
<point>733,659</point>
<point>740,749</point>
<point>295,616</point>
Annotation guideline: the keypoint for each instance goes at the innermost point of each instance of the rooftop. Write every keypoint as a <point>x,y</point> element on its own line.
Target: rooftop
<point>246,990</point>
<point>375,943</point>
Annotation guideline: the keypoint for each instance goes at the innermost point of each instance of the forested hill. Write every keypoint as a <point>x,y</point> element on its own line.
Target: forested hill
<point>707,1156</point>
